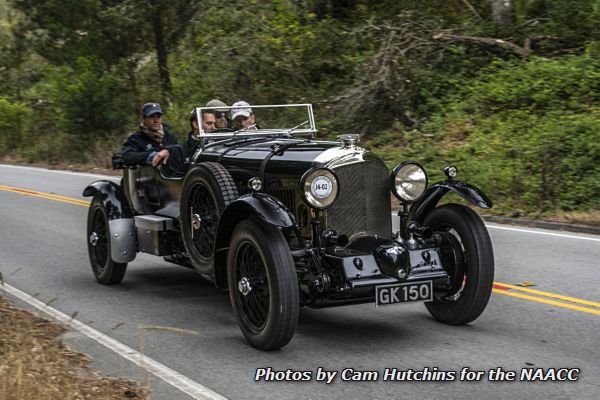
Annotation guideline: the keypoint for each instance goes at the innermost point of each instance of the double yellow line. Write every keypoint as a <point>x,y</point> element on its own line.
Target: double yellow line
<point>499,288</point>
<point>49,196</point>
<point>546,298</point>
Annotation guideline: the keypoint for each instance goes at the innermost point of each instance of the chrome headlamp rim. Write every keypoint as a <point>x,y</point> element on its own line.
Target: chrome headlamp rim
<point>394,174</point>
<point>305,188</point>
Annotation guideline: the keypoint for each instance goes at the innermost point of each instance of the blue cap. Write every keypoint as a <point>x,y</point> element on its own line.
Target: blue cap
<point>150,109</point>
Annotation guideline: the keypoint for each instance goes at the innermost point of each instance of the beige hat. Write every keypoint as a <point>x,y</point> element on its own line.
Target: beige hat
<point>216,103</point>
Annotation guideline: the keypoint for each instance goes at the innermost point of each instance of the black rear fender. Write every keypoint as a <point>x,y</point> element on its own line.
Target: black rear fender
<point>435,192</point>
<point>113,198</point>
<point>119,216</point>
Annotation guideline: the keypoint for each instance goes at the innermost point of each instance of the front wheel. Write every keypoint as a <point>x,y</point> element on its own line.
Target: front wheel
<point>105,269</point>
<point>263,286</point>
<point>467,256</point>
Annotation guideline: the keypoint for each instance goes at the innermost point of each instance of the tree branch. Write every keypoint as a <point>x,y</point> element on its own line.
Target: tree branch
<point>473,10</point>
<point>533,21</point>
<point>484,40</point>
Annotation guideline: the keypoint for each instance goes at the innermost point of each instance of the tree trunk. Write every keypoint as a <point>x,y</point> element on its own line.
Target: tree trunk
<point>161,53</point>
<point>503,13</point>
<point>131,66</point>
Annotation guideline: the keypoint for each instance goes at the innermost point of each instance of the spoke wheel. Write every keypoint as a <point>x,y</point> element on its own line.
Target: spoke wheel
<point>467,257</point>
<point>454,259</point>
<point>207,190</point>
<point>253,286</point>
<point>204,216</point>
<point>105,270</point>
<point>263,286</point>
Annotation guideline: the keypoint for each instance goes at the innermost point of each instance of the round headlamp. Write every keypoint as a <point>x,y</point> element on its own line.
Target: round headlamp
<point>320,187</point>
<point>408,181</point>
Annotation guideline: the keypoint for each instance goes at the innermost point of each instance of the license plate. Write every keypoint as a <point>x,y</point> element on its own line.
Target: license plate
<point>403,293</point>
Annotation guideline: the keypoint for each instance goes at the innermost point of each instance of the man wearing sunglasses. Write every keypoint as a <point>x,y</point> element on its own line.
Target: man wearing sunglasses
<point>220,114</point>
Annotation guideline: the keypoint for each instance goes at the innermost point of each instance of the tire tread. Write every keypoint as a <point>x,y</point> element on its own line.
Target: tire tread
<point>459,313</point>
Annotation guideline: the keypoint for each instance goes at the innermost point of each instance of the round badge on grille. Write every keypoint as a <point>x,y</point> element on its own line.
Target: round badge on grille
<point>321,187</point>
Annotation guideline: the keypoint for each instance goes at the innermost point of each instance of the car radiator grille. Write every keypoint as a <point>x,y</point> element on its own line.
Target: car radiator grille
<point>286,195</point>
<point>363,204</point>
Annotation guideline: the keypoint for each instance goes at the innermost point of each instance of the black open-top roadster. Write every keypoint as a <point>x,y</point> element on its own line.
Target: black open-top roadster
<point>283,220</point>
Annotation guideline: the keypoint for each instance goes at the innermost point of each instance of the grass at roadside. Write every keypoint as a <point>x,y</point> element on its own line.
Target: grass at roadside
<point>35,364</point>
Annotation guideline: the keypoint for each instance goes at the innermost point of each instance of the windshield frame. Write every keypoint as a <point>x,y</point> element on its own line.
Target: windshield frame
<point>298,130</point>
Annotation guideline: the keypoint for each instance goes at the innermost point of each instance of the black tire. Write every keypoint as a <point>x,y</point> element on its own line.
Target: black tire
<point>468,257</point>
<point>259,258</point>
<point>207,190</point>
<point>105,269</point>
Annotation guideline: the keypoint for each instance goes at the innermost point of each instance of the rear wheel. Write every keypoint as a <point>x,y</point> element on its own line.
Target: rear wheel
<point>263,286</point>
<point>105,269</point>
<point>467,256</point>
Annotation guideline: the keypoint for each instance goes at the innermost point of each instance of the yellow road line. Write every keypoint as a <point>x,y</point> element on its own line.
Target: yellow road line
<point>551,295</point>
<point>48,196</point>
<point>66,198</point>
<point>546,301</point>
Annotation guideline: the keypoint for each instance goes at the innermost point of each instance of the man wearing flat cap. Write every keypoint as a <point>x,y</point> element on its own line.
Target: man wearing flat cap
<point>153,142</point>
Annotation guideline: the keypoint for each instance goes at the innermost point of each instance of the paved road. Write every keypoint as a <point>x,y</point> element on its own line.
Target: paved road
<point>43,253</point>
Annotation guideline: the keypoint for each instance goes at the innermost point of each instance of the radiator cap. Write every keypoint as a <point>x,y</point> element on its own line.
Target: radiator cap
<point>349,140</point>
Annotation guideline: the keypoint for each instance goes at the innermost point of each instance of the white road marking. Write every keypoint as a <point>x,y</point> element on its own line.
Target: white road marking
<point>56,171</point>
<point>506,228</point>
<point>174,378</point>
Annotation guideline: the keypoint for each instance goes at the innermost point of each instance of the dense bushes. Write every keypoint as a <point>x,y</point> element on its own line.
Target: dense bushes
<point>526,133</point>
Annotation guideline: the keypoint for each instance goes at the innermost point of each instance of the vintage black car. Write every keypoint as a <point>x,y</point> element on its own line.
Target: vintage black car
<point>283,220</point>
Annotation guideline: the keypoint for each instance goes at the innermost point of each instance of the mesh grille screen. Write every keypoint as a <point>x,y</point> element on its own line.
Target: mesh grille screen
<point>286,195</point>
<point>363,205</point>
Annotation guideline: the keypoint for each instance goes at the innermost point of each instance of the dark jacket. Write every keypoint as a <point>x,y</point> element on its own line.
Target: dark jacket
<point>191,142</point>
<point>138,147</point>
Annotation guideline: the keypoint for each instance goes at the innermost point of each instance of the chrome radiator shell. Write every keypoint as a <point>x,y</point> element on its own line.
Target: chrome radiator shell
<point>363,205</point>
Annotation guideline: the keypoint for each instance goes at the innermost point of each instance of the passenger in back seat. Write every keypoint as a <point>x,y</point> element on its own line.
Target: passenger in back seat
<point>153,143</point>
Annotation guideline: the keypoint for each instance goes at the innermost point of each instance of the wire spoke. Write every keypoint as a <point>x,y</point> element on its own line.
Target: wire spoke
<point>255,303</point>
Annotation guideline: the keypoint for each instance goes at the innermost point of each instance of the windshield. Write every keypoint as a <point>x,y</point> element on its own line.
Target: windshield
<point>248,120</point>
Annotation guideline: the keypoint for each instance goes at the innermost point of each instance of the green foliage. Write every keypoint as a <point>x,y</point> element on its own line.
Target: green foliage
<point>573,22</point>
<point>263,53</point>
<point>526,133</point>
<point>12,118</point>
<point>95,105</point>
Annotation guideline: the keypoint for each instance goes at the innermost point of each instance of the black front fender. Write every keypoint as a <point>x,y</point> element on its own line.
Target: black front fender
<point>258,205</point>
<point>435,192</point>
<point>263,206</point>
<point>113,198</point>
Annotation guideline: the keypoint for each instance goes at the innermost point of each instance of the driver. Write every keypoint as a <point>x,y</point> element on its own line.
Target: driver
<point>153,142</point>
<point>209,124</point>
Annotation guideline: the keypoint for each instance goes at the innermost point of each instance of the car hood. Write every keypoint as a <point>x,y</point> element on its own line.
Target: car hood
<point>283,156</point>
